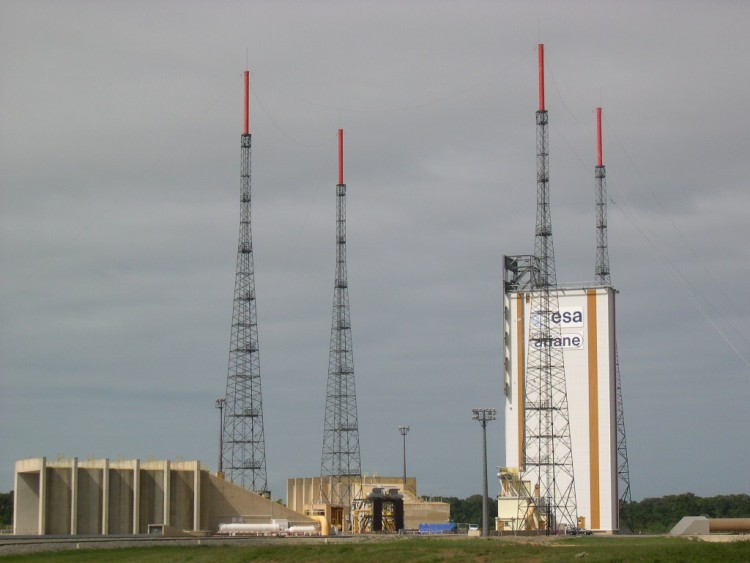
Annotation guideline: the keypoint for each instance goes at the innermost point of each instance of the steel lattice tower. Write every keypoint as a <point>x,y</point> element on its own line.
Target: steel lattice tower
<point>603,278</point>
<point>547,462</point>
<point>600,181</point>
<point>340,459</point>
<point>243,450</point>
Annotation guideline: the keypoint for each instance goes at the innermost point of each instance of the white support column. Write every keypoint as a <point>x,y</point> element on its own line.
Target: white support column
<point>105,497</point>
<point>136,494</point>
<point>197,497</point>
<point>15,501</point>
<point>74,496</point>
<point>43,497</point>
<point>167,481</point>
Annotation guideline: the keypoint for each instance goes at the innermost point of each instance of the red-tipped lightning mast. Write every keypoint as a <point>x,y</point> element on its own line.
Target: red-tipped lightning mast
<point>541,76</point>
<point>341,157</point>
<point>243,449</point>
<point>546,454</point>
<point>246,129</point>
<point>340,462</point>
<point>601,270</point>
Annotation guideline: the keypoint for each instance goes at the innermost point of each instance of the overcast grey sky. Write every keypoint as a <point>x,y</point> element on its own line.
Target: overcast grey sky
<point>120,129</point>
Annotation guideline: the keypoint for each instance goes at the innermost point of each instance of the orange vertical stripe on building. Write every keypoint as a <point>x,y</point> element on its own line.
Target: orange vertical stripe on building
<point>593,409</point>
<point>521,374</point>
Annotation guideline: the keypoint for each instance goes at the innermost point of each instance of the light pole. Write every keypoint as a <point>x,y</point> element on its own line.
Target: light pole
<point>220,402</point>
<point>404,431</point>
<point>484,416</point>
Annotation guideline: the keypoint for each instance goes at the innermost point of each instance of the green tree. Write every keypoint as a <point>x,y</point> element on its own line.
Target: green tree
<point>6,509</point>
<point>469,510</point>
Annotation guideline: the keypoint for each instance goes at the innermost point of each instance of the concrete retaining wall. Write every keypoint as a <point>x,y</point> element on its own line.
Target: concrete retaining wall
<point>65,497</point>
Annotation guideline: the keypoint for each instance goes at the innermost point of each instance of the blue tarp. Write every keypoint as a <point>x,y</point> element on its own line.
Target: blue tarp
<point>426,528</point>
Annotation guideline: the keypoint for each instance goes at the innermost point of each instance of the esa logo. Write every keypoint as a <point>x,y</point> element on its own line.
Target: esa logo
<point>565,317</point>
<point>568,317</point>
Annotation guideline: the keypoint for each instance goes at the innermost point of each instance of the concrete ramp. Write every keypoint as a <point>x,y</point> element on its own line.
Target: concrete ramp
<point>225,502</point>
<point>691,526</point>
<point>700,525</point>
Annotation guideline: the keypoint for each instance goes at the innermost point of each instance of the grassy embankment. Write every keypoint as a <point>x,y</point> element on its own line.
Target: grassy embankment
<point>662,549</point>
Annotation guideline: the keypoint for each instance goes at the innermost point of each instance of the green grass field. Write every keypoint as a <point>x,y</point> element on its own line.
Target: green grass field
<point>660,549</point>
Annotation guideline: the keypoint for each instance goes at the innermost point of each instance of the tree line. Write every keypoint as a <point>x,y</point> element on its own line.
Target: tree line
<point>648,516</point>
<point>659,515</point>
<point>469,510</point>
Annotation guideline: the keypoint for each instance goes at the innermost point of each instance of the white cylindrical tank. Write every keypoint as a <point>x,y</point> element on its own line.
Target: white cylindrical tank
<point>308,530</point>
<point>265,528</point>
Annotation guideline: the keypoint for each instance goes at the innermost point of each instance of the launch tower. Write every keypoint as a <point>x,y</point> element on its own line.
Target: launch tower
<point>243,448</point>
<point>555,418</point>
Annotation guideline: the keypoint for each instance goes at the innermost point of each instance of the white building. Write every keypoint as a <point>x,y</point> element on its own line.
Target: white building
<point>586,318</point>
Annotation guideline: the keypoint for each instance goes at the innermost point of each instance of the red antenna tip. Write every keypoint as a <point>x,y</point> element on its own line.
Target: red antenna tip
<point>599,159</point>
<point>341,157</point>
<point>246,129</point>
<point>541,76</point>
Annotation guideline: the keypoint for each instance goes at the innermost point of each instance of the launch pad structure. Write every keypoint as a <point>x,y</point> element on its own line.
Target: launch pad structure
<point>562,388</point>
<point>563,410</point>
<point>379,499</point>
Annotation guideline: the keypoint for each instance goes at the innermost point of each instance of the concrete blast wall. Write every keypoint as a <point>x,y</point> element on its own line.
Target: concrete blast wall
<point>65,497</point>
<point>151,500</point>
<point>28,496</point>
<point>181,500</point>
<point>121,501</point>
<point>59,490</point>
<point>90,509</point>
